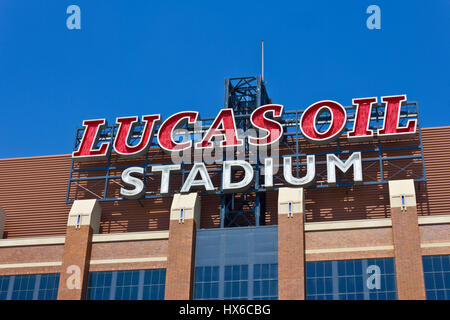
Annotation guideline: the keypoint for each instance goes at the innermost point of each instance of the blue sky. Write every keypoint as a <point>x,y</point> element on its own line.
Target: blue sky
<point>141,57</point>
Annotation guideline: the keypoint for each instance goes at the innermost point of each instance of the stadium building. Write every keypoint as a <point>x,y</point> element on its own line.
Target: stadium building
<point>346,203</point>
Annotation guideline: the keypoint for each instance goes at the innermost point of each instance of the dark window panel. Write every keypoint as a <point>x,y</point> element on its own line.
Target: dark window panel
<point>346,279</point>
<point>126,285</point>
<point>437,277</point>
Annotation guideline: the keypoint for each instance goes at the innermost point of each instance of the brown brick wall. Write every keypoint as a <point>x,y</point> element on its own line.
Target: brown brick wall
<point>129,249</point>
<point>353,238</point>
<point>135,216</point>
<point>45,253</point>
<point>435,251</point>
<point>271,215</point>
<point>348,238</point>
<point>180,260</point>
<point>291,257</point>
<point>433,196</point>
<point>435,233</point>
<point>128,266</point>
<point>32,193</point>
<point>408,259</point>
<point>76,252</point>
<point>359,202</point>
<point>210,211</point>
<point>439,233</point>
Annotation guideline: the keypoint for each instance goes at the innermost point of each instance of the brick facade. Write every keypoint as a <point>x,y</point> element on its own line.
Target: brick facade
<point>291,257</point>
<point>406,239</point>
<point>180,262</point>
<point>407,253</point>
<point>77,250</point>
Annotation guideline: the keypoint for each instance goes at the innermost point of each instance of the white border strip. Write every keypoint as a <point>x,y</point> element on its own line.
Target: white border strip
<point>130,236</point>
<point>38,241</point>
<point>30,265</point>
<point>108,237</point>
<point>435,245</point>
<point>370,223</point>
<point>129,260</point>
<point>348,224</point>
<point>337,250</point>
<point>440,219</point>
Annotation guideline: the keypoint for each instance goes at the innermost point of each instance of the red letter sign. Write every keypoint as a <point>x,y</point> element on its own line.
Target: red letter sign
<point>165,138</point>
<point>392,117</point>
<point>361,129</point>
<point>273,129</point>
<point>225,120</point>
<point>126,125</point>
<point>86,149</point>
<point>337,125</point>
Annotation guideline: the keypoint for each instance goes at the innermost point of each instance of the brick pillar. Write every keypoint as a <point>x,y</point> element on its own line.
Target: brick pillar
<point>184,219</point>
<point>291,244</point>
<point>84,220</point>
<point>406,237</point>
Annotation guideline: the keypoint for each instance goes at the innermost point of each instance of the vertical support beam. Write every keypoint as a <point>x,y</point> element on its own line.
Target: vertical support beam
<point>184,220</point>
<point>291,244</point>
<point>2,222</point>
<point>227,93</point>
<point>257,209</point>
<point>83,221</point>
<point>406,237</point>
<point>222,211</point>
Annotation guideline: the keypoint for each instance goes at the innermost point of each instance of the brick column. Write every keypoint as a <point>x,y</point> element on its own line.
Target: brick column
<point>184,219</point>
<point>291,244</point>
<point>84,220</point>
<point>406,237</point>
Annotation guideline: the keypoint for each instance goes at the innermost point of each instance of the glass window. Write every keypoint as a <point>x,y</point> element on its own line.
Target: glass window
<point>127,285</point>
<point>29,287</point>
<point>265,281</point>
<point>239,282</point>
<point>48,288</point>
<point>362,279</point>
<point>236,282</point>
<point>4,284</point>
<point>436,271</point>
<point>206,283</point>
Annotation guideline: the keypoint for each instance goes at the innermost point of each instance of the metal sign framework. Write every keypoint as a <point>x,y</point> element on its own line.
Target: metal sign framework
<point>386,160</point>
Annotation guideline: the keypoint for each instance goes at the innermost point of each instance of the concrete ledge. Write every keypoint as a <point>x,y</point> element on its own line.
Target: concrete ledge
<point>348,224</point>
<point>38,241</point>
<point>130,236</point>
<point>129,260</point>
<point>109,237</point>
<point>440,219</point>
<point>30,264</point>
<point>336,250</point>
<point>435,245</point>
<point>370,223</point>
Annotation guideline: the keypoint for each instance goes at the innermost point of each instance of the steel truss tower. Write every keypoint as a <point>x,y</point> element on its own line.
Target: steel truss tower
<point>244,95</point>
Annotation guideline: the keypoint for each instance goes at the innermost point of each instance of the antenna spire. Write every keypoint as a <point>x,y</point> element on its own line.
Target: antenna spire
<point>262,60</point>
